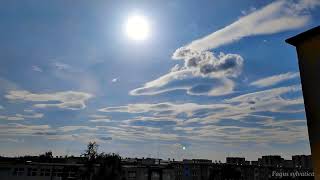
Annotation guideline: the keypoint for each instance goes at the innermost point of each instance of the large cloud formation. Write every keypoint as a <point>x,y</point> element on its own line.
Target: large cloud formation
<point>205,73</point>
<point>72,100</point>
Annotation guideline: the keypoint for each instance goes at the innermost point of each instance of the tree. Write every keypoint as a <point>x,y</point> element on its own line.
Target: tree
<point>109,165</point>
<point>90,154</point>
<point>46,157</point>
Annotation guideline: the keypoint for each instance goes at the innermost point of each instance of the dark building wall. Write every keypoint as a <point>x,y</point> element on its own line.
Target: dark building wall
<point>308,49</point>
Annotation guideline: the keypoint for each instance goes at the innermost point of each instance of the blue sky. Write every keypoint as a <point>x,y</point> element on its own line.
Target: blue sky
<point>215,77</point>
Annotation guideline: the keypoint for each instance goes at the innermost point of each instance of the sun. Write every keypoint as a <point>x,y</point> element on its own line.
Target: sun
<point>137,28</point>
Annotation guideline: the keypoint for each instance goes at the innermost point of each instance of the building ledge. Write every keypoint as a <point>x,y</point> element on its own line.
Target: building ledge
<point>296,40</point>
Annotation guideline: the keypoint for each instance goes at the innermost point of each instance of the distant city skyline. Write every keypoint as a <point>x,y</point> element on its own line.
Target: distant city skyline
<point>163,79</point>
<point>112,166</point>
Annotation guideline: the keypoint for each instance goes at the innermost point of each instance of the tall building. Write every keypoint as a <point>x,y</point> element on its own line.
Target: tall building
<point>236,160</point>
<point>302,161</point>
<point>307,45</point>
<point>271,161</point>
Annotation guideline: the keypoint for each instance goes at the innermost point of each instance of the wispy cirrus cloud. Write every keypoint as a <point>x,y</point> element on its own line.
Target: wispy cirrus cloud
<point>272,100</point>
<point>17,117</point>
<point>163,109</point>
<point>36,68</point>
<point>234,120</point>
<point>138,133</point>
<point>61,66</point>
<point>275,79</point>
<point>99,118</point>
<point>276,17</point>
<point>72,100</point>
<point>16,129</point>
<point>75,128</point>
<point>81,133</point>
<point>188,122</point>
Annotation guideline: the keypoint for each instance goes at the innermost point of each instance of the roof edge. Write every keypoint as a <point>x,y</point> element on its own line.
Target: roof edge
<point>295,40</point>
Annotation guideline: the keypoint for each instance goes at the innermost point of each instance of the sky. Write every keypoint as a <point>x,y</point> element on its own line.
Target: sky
<point>212,79</point>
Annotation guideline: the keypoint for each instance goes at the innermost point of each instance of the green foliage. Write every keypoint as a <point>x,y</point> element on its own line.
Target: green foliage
<point>91,152</point>
<point>108,165</point>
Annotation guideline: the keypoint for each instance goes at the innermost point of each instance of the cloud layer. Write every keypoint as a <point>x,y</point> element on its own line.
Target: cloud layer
<point>72,100</point>
<point>240,119</point>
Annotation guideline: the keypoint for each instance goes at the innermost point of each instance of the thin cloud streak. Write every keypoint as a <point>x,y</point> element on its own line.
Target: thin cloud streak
<point>72,100</point>
<point>275,79</point>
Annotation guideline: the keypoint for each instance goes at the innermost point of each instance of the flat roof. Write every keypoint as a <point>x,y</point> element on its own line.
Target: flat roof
<point>295,40</point>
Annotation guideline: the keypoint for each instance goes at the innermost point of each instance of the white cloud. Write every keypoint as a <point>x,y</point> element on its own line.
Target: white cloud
<point>99,118</point>
<point>36,68</point>
<point>64,133</point>
<point>276,17</point>
<point>138,133</point>
<point>165,109</point>
<point>190,122</point>
<point>75,128</point>
<point>28,110</point>
<point>11,118</point>
<point>166,119</point>
<point>30,116</point>
<point>114,80</point>
<point>208,64</point>
<point>15,129</point>
<point>217,70</point>
<point>273,80</point>
<point>68,99</point>
<point>61,66</point>
<point>265,95</point>
<point>13,140</point>
<point>271,100</point>
<point>201,63</point>
<point>18,117</point>
<point>1,107</point>
<point>83,137</point>
<point>194,122</point>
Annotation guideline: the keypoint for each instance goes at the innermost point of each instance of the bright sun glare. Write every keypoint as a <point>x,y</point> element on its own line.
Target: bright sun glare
<point>137,28</point>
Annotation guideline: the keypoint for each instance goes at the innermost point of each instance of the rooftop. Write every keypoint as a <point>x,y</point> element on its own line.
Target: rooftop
<point>295,40</point>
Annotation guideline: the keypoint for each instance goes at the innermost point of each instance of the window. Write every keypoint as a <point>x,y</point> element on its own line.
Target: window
<point>32,171</point>
<point>57,172</point>
<point>71,174</point>
<point>18,172</point>
<point>132,174</point>
<point>45,172</point>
